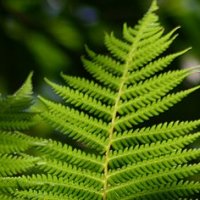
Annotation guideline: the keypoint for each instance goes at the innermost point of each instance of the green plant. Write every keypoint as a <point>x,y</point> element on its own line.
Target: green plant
<point>116,156</point>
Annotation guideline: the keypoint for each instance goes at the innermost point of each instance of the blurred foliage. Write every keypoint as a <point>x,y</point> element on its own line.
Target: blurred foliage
<point>48,36</point>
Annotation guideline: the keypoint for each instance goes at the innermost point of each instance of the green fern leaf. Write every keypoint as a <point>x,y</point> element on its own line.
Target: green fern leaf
<point>17,142</point>
<point>14,109</point>
<point>76,157</point>
<point>125,92</point>
<point>16,114</point>
<point>21,164</point>
<point>6,197</point>
<point>40,195</point>
<point>115,155</point>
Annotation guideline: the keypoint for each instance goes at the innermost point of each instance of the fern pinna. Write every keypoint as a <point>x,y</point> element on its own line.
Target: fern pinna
<point>16,116</point>
<point>117,156</point>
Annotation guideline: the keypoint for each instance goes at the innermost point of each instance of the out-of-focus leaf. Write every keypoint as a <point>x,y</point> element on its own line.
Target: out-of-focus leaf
<point>66,33</point>
<point>188,16</point>
<point>47,55</point>
<point>21,5</point>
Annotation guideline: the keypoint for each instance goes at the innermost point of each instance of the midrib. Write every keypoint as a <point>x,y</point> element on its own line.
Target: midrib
<point>115,110</point>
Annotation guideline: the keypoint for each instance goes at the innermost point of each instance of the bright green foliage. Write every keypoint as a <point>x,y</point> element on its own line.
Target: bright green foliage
<point>21,164</point>
<point>15,116</point>
<point>14,113</point>
<point>117,157</point>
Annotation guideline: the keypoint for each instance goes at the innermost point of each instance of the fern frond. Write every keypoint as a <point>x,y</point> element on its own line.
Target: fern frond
<point>153,67</point>
<point>101,75</point>
<point>71,172</point>
<point>127,91</point>
<point>169,191</point>
<point>148,98</point>
<point>21,164</point>
<point>117,47</point>
<point>25,89</point>
<point>41,195</point>
<point>77,133</point>
<point>82,101</point>
<point>77,118</point>
<point>14,142</point>
<point>147,182</point>
<point>65,153</point>
<point>146,151</point>
<point>155,133</point>
<point>114,155</point>
<point>142,56</point>
<point>151,110</point>
<point>50,184</point>
<point>90,88</point>
<point>144,28</point>
<point>18,124</point>
<point>154,83</point>
<point>6,197</point>
<point>15,111</point>
<point>152,165</point>
<point>106,62</point>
